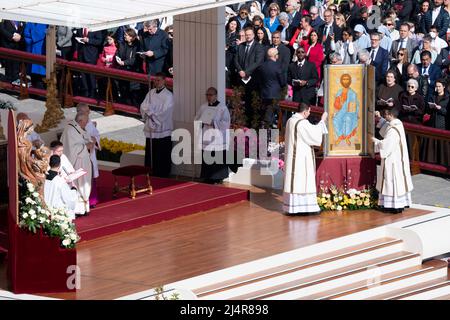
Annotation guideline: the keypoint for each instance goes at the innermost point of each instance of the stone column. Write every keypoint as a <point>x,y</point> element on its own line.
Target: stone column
<point>199,63</point>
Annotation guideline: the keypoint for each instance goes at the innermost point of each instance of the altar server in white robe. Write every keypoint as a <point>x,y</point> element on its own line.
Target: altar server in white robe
<point>94,134</point>
<point>300,191</point>
<point>57,148</point>
<point>77,148</point>
<point>57,193</point>
<point>156,110</point>
<point>394,182</point>
<point>212,124</point>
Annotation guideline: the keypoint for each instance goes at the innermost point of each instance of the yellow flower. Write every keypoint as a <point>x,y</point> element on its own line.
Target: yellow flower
<point>332,207</point>
<point>359,203</point>
<point>367,203</point>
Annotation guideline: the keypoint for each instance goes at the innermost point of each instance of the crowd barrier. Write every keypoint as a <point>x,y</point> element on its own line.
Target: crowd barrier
<point>66,69</point>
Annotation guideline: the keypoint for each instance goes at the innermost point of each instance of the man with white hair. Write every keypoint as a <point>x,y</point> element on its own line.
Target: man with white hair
<point>286,29</point>
<point>335,58</point>
<point>316,20</point>
<point>77,148</point>
<point>292,9</point>
<point>364,56</point>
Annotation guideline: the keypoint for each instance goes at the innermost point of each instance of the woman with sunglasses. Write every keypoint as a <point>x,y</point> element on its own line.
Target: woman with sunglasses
<point>272,22</point>
<point>346,48</point>
<point>340,20</point>
<point>390,24</point>
<point>388,94</point>
<point>412,104</point>
<point>400,65</point>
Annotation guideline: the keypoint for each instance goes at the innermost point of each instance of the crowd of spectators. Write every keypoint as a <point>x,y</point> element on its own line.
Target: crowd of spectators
<point>142,47</point>
<point>405,40</point>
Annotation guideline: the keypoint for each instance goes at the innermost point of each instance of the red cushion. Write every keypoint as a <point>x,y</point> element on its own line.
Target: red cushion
<point>131,171</point>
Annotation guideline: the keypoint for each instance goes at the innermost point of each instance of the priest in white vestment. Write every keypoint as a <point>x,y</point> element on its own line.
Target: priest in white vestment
<point>300,193</point>
<point>394,182</point>
<point>77,148</point>
<point>57,193</point>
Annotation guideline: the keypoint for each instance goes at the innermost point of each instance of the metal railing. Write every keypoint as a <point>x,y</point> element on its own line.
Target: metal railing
<point>67,99</point>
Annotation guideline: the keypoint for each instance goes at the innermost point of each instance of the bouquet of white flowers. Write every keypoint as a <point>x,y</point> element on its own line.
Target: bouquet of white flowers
<point>54,222</point>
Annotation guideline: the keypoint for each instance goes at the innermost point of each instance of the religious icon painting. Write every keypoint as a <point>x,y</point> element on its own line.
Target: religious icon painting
<point>345,101</point>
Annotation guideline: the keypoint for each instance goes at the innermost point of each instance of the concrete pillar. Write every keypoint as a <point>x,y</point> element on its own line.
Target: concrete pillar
<point>199,63</point>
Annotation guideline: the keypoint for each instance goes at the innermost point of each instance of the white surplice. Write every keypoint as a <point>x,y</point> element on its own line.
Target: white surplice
<point>300,164</point>
<point>57,195</point>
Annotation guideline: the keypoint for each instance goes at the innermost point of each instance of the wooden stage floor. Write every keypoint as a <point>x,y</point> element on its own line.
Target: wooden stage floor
<point>144,258</point>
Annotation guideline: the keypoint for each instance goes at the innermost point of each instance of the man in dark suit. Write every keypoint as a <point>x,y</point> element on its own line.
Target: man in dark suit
<point>403,42</point>
<point>249,56</point>
<point>271,83</point>
<point>154,42</point>
<point>379,57</point>
<point>303,77</point>
<point>328,30</point>
<point>88,48</point>
<point>429,71</point>
<point>11,37</point>
<point>438,17</point>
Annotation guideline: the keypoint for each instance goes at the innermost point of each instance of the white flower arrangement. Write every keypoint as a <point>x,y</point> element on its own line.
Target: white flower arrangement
<point>54,222</point>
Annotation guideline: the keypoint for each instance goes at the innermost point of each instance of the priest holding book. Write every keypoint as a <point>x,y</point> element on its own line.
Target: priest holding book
<point>77,148</point>
<point>212,123</point>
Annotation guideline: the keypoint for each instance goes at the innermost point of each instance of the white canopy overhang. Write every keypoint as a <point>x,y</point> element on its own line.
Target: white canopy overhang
<point>100,14</point>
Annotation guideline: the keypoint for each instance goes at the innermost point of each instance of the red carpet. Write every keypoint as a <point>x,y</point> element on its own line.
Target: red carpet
<point>170,199</point>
